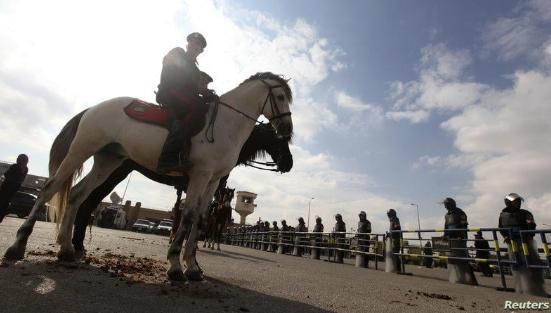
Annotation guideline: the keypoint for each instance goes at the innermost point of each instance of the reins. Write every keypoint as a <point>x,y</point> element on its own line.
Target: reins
<point>271,164</point>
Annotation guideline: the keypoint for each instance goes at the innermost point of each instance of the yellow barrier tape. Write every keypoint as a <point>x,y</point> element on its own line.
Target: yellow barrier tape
<point>525,249</point>
<point>545,249</point>
<point>474,229</point>
<point>414,255</point>
<point>438,230</point>
<point>445,258</point>
<point>480,260</point>
<point>496,245</point>
<point>514,245</point>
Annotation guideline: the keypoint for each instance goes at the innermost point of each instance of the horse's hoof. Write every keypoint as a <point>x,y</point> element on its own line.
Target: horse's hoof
<point>194,276</point>
<point>66,256</point>
<point>176,275</point>
<point>80,254</point>
<point>15,253</point>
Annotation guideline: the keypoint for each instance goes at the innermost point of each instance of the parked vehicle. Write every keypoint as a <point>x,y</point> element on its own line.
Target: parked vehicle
<point>21,204</point>
<point>164,228</point>
<point>152,226</point>
<point>112,217</point>
<point>141,226</point>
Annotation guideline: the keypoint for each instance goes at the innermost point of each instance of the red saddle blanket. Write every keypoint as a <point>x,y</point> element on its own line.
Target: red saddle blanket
<point>146,112</point>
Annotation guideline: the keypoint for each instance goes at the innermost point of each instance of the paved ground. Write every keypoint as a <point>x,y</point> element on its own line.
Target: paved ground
<point>124,272</point>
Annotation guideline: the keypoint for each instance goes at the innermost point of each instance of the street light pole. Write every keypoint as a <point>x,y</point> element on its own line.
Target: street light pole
<point>309,201</point>
<point>419,224</point>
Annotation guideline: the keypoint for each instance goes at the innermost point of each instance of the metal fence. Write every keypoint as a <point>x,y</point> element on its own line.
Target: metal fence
<point>500,256</point>
<point>333,246</point>
<point>329,245</point>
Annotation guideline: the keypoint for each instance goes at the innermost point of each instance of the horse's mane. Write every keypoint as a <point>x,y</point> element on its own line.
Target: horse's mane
<point>261,135</point>
<point>279,78</point>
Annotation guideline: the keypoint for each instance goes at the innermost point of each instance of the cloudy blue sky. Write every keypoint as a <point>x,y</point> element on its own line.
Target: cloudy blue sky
<point>396,102</point>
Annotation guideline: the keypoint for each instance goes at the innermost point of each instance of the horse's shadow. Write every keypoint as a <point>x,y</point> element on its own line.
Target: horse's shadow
<point>236,255</point>
<point>42,284</point>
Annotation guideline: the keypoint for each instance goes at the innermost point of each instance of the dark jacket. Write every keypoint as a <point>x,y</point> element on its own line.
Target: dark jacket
<point>340,226</point>
<point>318,228</point>
<point>14,176</point>
<point>395,225</point>
<point>481,243</point>
<point>517,220</point>
<point>180,73</point>
<point>364,227</point>
<point>455,219</point>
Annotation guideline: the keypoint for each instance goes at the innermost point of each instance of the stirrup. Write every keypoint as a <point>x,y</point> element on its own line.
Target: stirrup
<point>185,163</point>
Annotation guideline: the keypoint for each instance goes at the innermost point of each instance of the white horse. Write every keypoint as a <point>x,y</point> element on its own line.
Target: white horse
<point>110,136</point>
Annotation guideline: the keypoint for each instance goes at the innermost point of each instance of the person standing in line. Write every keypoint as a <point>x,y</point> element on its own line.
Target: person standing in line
<point>14,177</point>
<point>482,252</point>
<point>527,280</point>
<point>394,222</point>
<point>459,271</point>
<point>428,251</point>
<point>364,229</point>
<point>339,235</point>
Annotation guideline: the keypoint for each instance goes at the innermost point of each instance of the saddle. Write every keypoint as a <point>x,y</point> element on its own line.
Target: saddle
<point>154,114</point>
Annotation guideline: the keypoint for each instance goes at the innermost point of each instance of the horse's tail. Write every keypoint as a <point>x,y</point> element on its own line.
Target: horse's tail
<point>58,153</point>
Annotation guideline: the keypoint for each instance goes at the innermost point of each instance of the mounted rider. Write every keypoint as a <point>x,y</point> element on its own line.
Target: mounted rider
<point>179,92</point>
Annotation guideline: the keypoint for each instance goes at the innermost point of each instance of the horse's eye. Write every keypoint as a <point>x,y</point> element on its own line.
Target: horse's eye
<point>281,97</point>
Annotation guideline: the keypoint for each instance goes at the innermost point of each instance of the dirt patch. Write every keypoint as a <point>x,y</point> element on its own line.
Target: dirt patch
<point>434,295</point>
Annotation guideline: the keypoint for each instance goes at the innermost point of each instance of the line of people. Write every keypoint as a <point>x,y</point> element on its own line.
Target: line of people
<point>527,280</point>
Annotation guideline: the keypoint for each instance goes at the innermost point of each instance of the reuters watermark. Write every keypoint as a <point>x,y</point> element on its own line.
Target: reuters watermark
<point>528,305</point>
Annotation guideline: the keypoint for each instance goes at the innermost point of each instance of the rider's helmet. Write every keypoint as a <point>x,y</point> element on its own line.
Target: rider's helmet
<point>512,197</point>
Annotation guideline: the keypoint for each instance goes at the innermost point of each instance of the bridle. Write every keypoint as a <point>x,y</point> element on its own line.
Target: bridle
<point>274,107</point>
<point>270,96</point>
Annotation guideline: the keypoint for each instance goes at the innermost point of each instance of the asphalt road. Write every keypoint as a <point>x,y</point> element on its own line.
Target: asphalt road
<point>124,272</point>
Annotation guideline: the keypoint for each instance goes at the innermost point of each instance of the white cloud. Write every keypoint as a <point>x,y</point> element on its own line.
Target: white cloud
<point>440,86</point>
<point>412,116</point>
<point>428,161</point>
<point>506,144</point>
<point>521,35</point>
<point>502,134</point>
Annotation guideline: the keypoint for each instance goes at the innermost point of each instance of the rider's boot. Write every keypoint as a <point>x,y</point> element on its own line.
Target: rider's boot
<point>175,143</point>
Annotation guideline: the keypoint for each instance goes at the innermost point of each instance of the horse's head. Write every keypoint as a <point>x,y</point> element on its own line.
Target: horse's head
<point>264,140</point>
<point>276,101</point>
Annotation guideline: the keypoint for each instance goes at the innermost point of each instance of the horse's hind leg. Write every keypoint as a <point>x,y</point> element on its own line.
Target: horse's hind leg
<point>89,205</point>
<point>17,250</point>
<point>54,183</point>
<point>104,164</point>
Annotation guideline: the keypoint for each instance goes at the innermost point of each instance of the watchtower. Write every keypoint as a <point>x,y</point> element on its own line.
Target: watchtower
<point>245,204</point>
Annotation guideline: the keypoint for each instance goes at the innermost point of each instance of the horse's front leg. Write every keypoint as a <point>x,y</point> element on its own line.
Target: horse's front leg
<point>193,271</point>
<point>174,271</point>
